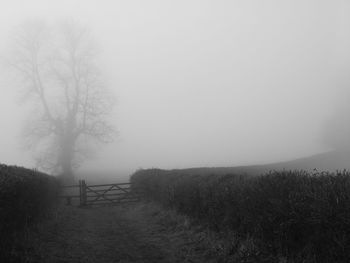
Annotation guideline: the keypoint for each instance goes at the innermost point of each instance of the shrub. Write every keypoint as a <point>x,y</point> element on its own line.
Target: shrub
<point>293,213</point>
<point>26,196</point>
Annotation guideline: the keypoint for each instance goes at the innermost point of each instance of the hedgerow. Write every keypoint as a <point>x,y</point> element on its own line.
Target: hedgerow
<point>295,214</point>
<point>26,197</point>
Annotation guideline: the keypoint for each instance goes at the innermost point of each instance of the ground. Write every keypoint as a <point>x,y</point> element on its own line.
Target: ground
<point>131,233</point>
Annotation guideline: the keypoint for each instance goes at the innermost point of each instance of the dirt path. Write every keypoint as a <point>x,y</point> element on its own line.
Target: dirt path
<point>112,234</point>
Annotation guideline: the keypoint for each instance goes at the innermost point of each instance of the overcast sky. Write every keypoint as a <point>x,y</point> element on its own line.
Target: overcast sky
<point>202,83</point>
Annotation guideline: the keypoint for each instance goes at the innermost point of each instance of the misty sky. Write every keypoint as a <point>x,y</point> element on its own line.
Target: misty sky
<point>202,83</point>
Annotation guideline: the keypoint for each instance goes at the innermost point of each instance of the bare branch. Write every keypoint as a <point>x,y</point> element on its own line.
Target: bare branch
<point>59,69</point>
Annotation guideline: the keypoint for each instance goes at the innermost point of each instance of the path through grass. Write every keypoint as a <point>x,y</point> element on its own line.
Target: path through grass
<point>112,234</point>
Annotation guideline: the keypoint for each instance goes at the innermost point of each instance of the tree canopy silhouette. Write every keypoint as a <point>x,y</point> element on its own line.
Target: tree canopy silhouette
<point>59,75</point>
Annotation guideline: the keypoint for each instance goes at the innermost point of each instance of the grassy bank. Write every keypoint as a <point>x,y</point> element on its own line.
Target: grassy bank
<point>26,197</point>
<point>296,215</point>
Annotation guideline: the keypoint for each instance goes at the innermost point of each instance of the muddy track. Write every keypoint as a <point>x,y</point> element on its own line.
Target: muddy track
<point>110,234</point>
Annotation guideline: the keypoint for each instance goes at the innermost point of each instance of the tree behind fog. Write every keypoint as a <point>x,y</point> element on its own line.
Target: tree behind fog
<point>59,76</point>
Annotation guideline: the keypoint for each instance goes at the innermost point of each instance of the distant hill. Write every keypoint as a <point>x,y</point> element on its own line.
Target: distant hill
<point>328,161</point>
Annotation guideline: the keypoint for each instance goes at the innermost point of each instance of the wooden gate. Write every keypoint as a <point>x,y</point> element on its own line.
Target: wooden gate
<point>100,194</point>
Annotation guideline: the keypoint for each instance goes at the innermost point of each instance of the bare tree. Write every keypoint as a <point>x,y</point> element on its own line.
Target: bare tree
<point>58,73</point>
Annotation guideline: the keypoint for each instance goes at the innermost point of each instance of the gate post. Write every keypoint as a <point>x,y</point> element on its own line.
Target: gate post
<point>82,190</point>
<point>80,193</point>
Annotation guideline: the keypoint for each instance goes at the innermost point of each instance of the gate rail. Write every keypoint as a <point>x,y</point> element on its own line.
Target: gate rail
<point>101,194</point>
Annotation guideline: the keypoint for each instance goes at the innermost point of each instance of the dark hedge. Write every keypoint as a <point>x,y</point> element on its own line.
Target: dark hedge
<point>293,213</point>
<point>26,196</point>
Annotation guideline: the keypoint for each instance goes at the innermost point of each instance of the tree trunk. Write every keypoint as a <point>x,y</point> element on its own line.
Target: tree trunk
<point>66,159</point>
<point>67,172</point>
<point>68,146</point>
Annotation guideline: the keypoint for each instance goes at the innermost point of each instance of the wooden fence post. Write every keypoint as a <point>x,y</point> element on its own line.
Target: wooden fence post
<point>83,192</point>
<point>69,200</point>
<point>80,193</point>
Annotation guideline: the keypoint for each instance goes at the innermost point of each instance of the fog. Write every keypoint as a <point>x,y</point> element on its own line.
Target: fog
<point>204,83</point>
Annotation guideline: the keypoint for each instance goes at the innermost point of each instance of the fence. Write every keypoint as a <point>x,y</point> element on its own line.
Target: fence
<point>100,194</point>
